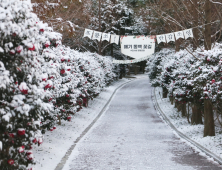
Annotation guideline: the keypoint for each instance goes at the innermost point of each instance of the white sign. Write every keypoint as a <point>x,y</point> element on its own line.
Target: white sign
<point>161,38</point>
<point>106,36</point>
<point>137,46</point>
<point>188,33</point>
<point>179,34</point>
<point>88,33</point>
<point>170,37</point>
<point>114,39</point>
<point>97,35</point>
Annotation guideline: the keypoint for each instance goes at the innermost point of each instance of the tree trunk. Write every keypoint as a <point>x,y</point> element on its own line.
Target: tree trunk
<point>171,99</point>
<point>209,129</point>
<point>99,45</point>
<point>183,109</point>
<point>195,30</point>
<point>207,33</point>
<point>112,50</point>
<point>165,92</point>
<point>196,115</point>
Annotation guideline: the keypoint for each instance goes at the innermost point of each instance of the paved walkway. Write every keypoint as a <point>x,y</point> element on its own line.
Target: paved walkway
<point>131,136</point>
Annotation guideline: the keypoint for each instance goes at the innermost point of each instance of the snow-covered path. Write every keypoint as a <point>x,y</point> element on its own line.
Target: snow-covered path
<point>131,136</point>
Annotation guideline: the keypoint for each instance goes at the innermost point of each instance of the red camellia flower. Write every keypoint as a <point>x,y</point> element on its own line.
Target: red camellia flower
<point>40,141</point>
<point>19,49</point>
<point>62,71</point>
<point>68,69</point>
<point>62,60</point>
<point>42,30</point>
<point>47,44</point>
<point>54,127</point>
<point>29,155</point>
<point>48,86</point>
<point>67,95</point>
<point>50,99</point>
<point>68,60</point>
<point>21,132</point>
<point>34,140</point>
<point>32,49</point>
<point>21,149</point>
<point>11,135</point>
<point>24,91</point>
<point>69,118</point>
<point>51,129</point>
<point>213,81</point>
<point>11,162</point>
<point>12,52</point>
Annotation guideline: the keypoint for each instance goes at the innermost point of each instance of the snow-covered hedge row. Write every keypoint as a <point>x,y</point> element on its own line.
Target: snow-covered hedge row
<point>42,82</point>
<point>191,78</point>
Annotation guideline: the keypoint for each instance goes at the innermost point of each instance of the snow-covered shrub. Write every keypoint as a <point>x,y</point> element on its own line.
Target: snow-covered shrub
<point>41,81</point>
<point>195,78</point>
<point>22,96</point>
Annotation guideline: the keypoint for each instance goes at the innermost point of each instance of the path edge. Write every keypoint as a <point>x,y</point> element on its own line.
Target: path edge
<point>203,149</point>
<point>61,164</point>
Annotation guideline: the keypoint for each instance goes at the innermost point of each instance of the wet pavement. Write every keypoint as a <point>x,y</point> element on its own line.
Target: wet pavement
<point>131,136</point>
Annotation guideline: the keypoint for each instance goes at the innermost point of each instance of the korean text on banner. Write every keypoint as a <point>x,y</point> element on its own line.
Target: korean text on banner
<point>114,39</point>
<point>161,38</point>
<point>170,37</point>
<point>188,33</point>
<point>106,36</point>
<point>97,35</point>
<point>179,34</point>
<point>137,46</point>
<point>88,33</point>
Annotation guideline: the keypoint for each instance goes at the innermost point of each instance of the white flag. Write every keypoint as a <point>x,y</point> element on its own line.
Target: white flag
<point>179,34</point>
<point>115,39</point>
<point>170,37</point>
<point>88,33</point>
<point>97,35</point>
<point>188,33</point>
<point>106,36</point>
<point>161,38</point>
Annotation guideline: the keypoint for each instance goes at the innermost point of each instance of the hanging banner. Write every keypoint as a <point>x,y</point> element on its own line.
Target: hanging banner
<point>170,37</point>
<point>97,35</point>
<point>161,38</point>
<point>188,33</point>
<point>130,61</point>
<point>106,36</point>
<point>137,46</point>
<point>114,39</point>
<point>179,34</point>
<point>88,33</point>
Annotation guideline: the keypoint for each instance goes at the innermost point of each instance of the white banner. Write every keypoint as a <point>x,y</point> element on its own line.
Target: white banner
<point>88,33</point>
<point>130,61</point>
<point>188,33</point>
<point>161,38</point>
<point>97,35</point>
<point>114,39</point>
<point>170,37</point>
<point>179,34</point>
<point>106,36</point>
<point>137,46</point>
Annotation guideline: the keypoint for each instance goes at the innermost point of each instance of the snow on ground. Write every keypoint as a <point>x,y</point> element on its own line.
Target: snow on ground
<point>194,132</point>
<point>57,142</point>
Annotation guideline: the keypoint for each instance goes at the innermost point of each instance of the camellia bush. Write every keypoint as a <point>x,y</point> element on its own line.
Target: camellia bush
<point>42,82</point>
<point>191,80</point>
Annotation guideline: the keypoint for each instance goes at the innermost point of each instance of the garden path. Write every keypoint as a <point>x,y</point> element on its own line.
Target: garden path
<point>131,136</point>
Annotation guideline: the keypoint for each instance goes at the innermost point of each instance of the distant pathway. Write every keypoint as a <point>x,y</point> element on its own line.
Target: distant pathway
<point>131,136</point>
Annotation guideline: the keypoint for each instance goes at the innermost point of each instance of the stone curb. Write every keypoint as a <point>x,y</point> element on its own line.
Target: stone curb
<point>203,149</point>
<point>61,164</point>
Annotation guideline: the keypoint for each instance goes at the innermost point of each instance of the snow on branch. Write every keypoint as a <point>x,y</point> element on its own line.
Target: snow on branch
<point>216,2</point>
